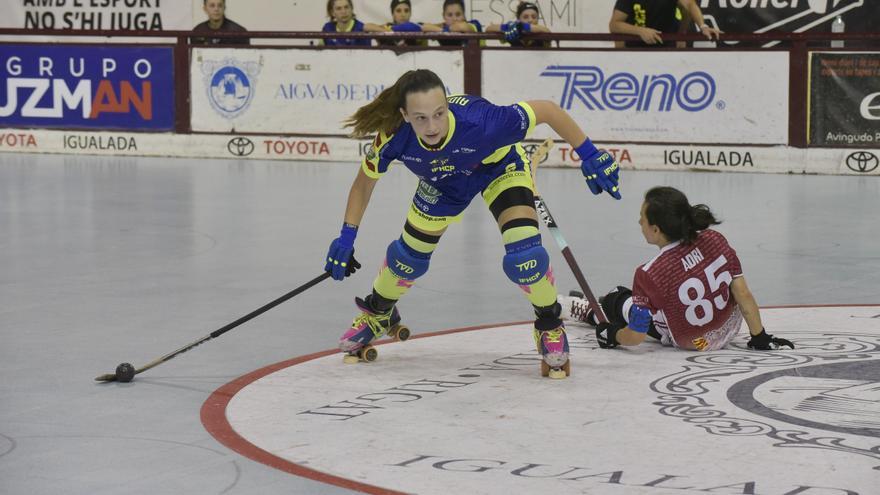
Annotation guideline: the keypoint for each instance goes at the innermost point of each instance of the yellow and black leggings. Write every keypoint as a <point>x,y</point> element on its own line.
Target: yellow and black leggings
<point>509,194</point>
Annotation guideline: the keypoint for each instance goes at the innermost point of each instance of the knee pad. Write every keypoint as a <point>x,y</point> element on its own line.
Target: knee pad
<point>613,303</point>
<point>405,262</point>
<point>526,261</point>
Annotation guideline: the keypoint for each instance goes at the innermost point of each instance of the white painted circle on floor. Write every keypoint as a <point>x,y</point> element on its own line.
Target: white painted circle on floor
<point>467,411</point>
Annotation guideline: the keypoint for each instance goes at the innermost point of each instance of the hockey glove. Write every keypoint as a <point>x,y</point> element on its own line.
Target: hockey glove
<point>606,334</point>
<point>600,169</point>
<point>513,30</point>
<point>340,257</point>
<point>766,342</point>
<point>406,27</point>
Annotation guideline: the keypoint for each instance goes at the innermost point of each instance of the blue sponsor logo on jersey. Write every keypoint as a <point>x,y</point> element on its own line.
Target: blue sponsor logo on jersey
<point>622,91</point>
<point>230,85</point>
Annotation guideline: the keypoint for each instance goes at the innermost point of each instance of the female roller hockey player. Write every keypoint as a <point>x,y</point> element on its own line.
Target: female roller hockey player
<point>692,295</point>
<point>458,146</point>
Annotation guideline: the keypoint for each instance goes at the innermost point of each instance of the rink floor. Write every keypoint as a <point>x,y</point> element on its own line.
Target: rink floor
<point>125,259</point>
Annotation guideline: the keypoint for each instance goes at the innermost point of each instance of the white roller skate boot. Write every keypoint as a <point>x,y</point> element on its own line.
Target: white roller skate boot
<point>576,309</point>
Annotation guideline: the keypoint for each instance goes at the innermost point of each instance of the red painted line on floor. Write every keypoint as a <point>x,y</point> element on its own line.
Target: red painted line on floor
<point>213,415</point>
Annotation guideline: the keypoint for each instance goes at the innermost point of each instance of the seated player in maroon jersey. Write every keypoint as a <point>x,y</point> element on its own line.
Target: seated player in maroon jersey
<point>692,295</point>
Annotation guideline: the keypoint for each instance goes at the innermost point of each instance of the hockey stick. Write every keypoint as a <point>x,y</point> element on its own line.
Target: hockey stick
<point>111,377</point>
<point>548,219</point>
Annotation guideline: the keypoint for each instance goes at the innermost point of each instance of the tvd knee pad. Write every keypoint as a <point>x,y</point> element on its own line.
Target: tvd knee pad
<point>526,261</point>
<point>405,262</point>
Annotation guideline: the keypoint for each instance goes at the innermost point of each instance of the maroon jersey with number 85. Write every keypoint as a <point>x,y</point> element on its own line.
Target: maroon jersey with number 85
<point>687,288</point>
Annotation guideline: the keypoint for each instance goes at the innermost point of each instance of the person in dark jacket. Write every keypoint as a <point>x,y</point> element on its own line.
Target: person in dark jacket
<point>218,23</point>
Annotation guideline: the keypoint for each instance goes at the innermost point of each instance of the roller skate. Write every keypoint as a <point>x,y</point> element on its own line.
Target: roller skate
<point>370,325</point>
<point>576,308</point>
<point>551,342</point>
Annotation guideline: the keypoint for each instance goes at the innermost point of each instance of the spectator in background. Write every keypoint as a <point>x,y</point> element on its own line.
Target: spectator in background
<point>648,19</point>
<point>342,20</point>
<point>218,23</point>
<point>401,13</point>
<point>454,21</point>
<point>527,15</point>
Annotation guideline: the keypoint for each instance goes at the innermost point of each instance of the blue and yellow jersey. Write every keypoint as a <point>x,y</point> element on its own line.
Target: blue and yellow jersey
<point>354,26</point>
<point>481,135</point>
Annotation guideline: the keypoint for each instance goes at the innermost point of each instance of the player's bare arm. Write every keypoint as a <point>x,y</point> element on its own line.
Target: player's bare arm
<point>359,198</point>
<point>743,296</point>
<point>600,169</point>
<point>629,337</point>
<point>550,113</point>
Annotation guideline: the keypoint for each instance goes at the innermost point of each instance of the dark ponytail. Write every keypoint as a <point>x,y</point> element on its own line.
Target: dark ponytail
<point>669,210</point>
<point>383,113</point>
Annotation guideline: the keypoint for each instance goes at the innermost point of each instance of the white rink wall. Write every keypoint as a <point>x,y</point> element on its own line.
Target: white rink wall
<point>732,158</point>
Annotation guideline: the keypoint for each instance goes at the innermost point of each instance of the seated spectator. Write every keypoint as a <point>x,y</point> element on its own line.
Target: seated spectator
<point>527,15</point>
<point>218,23</point>
<point>342,20</point>
<point>454,22</point>
<point>648,19</point>
<point>401,13</point>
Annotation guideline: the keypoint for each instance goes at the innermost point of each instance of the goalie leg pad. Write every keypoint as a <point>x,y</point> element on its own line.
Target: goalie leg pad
<point>526,261</point>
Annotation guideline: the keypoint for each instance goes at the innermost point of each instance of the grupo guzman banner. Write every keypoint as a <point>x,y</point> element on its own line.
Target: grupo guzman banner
<point>844,100</point>
<point>653,97</point>
<point>70,86</point>
<point>296,91</point>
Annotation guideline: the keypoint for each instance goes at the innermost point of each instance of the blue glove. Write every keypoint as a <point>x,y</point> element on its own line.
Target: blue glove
<point>513,30</point>
<point>340,257</point>
<point>406,27</point>
<point>600,169</point>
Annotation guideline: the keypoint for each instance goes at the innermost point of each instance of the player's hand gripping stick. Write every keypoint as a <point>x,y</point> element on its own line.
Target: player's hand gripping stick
<point>340,256</point>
